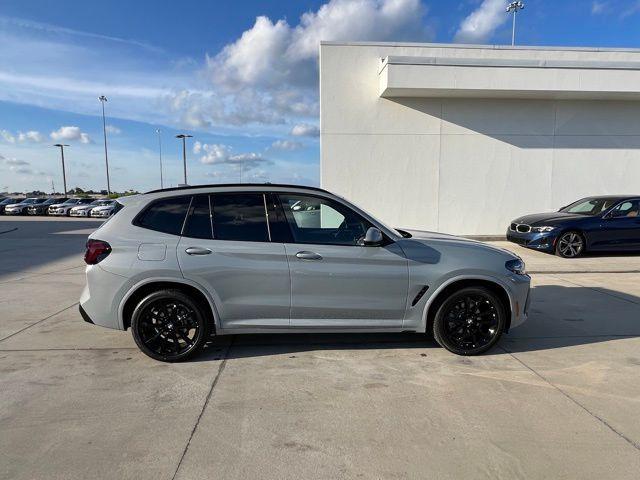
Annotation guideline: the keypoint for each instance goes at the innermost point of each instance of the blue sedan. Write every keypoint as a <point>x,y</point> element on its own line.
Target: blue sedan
<point>607,223</point>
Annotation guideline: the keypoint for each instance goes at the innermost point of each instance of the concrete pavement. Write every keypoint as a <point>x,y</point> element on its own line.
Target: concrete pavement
<point>559,397</point>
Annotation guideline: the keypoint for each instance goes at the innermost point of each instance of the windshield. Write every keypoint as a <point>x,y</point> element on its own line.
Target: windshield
<point>31,200</point>
<point>590,206</point>
<point>9,201</point>
<point>71,201</point>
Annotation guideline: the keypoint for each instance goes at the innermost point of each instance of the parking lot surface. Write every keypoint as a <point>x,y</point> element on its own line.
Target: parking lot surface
<point>559,397</point>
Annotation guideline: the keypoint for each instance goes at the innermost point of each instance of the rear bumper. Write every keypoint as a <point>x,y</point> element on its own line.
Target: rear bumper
<point>101,297</point>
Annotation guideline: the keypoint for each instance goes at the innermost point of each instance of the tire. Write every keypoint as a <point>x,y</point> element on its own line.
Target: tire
<point>570,244</point>
<point>462,334</point>
<point>169,326</point>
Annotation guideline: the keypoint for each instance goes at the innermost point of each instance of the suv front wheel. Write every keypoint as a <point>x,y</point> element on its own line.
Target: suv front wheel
<point>169,326</point>
<point>470,321</point>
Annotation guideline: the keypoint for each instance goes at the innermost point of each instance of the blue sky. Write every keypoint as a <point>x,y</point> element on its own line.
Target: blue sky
<point>240,76</point>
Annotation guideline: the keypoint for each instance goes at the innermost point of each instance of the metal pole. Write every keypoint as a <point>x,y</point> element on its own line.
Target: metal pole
<point>104,129</point>
<point>160,153</point>
<point>513,31</point>
<point>184,158</point>
<point>64,175</point>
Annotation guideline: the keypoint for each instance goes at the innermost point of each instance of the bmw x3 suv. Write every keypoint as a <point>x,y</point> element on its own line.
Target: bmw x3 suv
<point>179,265</point>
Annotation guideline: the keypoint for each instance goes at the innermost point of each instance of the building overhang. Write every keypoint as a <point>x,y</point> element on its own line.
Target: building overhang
<point>401,76</point>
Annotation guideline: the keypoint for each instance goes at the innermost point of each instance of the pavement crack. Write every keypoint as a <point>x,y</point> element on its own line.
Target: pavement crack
<point>39,321</point>
<point>631,442</point>
<point>204,406</point>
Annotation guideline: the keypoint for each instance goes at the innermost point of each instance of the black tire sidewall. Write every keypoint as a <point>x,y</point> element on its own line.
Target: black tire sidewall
<point>203,323</point>
<point>439,331</point>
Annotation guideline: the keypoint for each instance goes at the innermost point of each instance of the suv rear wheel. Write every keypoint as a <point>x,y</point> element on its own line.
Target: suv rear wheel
<point>169,326</point>
<point>470,321</point>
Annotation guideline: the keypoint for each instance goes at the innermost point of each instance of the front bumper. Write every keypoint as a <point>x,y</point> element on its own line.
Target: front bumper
<point>12,212</point>
<point>101,214</point>
<point>81,213</point>
<point>520,293</point>
<point>545,241</point>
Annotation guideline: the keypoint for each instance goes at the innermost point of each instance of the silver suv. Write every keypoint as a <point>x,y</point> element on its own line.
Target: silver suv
<point>179,265</point>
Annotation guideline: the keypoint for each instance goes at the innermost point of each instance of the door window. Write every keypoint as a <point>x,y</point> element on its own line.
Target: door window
<point>240,216</point>
<point>198,224</point>
<point>166,215</point>
<point>322,221</point>
<point>627,209</point>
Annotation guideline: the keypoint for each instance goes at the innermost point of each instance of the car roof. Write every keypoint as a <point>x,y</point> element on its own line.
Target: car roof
<point>261,186</point>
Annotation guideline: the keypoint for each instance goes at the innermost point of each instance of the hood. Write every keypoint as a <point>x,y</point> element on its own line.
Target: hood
<point>82,207</point>
<point>426,238</point>
<point>550,218</point>
<point>103,207</point>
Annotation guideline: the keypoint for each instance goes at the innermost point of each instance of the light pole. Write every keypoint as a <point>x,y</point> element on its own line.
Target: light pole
<point>184,153</point>
<point>159,132</point>
<point>514,7</point>
<point>103,99</point>
<point>64,175</point>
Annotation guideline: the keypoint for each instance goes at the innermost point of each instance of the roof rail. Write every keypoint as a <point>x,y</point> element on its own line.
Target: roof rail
<point>261,185</point>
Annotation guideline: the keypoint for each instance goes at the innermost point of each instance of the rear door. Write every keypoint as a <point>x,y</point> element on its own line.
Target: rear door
<point>336,281</point>
<point>226,248</point>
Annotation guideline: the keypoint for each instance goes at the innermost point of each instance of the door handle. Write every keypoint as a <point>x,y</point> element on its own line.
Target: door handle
<point>309,255</point>
<point>197,251</point>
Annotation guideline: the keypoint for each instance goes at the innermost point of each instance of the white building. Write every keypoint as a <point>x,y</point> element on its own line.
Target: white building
<point>462,139</point>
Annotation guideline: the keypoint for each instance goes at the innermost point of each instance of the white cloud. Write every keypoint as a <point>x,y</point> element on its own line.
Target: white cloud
<point>305,130</point>
<point>288,145</point>
<point>32,136</point>
<point>15,162</point>
<point>269,75</point>
<point>70,133</point>
<point>480,25</point>
<point>220,154</point>
<point>113,130</point>
<point>598,8</point>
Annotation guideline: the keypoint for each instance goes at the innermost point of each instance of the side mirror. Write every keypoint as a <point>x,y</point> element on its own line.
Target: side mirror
<point>373,237</point>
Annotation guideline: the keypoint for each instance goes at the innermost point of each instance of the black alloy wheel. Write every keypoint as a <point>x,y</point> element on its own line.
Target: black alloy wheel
<point>169,326</point>
<point>470,321</point>
<point>570,245</point>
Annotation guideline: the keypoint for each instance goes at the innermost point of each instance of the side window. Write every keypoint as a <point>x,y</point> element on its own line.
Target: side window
<point>626,209</point>
<point>239,216</point>
<point>166,215</point>
<point>322,221</point>
<point>198,223</point>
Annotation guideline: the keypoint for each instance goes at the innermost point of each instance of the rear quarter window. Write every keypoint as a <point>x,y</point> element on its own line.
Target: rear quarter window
<point>166,215</point>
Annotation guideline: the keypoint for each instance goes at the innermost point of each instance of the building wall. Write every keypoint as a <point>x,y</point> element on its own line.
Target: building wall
<point>468,165</point>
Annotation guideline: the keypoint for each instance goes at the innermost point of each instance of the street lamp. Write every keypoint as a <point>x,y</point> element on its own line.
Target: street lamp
<point>159,132</point>
<point>64,175</point>
<point>103,99</point>
<point>514,7</point>
<point>184,153</point>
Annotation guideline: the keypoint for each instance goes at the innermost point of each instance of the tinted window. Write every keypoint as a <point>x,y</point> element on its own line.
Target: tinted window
<point>593,206</point>
<point>239,216</point>
<point>628,209</point>
<point>322,221</point>
<point>165,215</point>
<point>199,220</point>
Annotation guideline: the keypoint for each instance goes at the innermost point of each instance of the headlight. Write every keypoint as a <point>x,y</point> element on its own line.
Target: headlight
<point>516,266</point>
<point>541,229</point>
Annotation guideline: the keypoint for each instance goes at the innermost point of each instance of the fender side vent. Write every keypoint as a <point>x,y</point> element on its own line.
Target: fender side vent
<point>420,294</point>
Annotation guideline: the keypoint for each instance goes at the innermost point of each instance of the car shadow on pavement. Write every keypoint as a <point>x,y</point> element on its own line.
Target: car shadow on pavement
<point>559,317</point>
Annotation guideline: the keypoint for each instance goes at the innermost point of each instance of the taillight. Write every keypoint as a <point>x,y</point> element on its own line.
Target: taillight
<point>97,250</point>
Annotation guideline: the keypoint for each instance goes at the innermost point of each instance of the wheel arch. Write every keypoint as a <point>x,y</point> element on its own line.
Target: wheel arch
<point>144,288</point>
<point>457,283</point>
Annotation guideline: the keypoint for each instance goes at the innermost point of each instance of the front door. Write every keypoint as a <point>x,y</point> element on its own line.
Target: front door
<point>336,281</point>
<point>225,247</point>
<point>620,229</point>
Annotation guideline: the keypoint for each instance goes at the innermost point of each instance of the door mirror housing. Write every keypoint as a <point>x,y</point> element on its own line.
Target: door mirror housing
<point>373,237</point>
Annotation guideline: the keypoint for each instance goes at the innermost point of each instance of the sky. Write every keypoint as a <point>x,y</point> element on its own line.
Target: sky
<point>241,77</point>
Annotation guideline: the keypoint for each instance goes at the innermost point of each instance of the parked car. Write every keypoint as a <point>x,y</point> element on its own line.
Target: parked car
<point>20,208</point>
<point>106,210</point>
<point>176,265</point>
<point>606,223</point>
<point>9,201</point>
<point>84,210</point>
<point>43,208</point>
<point>64,208</point>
